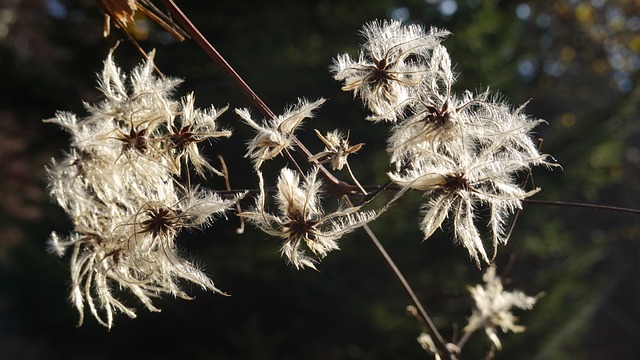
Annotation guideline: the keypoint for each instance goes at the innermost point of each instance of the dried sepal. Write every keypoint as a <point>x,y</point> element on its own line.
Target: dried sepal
<point>337,149</point>
<point>459,187</point>
<point>185,131</point>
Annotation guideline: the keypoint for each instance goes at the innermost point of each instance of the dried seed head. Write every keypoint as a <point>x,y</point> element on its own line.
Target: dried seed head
<point>159,222</point>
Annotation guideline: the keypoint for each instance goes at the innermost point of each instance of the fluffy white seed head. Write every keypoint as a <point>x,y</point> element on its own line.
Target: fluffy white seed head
<point>119,185</point>
<point>493,307</point>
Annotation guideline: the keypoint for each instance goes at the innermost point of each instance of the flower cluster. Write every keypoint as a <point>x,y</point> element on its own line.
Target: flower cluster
<point>493,307</point>
<point>118,183</point>
<point>301,220</point>
<point>463,151</point>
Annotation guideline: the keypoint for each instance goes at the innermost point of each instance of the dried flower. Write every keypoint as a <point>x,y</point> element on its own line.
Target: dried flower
<point>301,219</point>
<point>121,11</point>
<point>123,14</point>
<point>442,123</point>
<point>195,126</point>
<point>460,185</point>
<point>389,67</point>
<point>336,150</point>
<point>428,345</point>
<point>465,153</point>
<point>493,307</point>
<point>117,184</point>
<point>276,135</point>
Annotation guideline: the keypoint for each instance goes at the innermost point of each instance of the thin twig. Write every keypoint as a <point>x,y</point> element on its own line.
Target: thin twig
<point>440,342</point>
<point>353,177</point>
<point>136,45</point>
<point>227,183</point>
<point>582,205</point>
<point>374,190</point>
<point>377,190</point>
<point>149,9</point>
<point>464,339</point>
<point>523,185</point>
<point>217,58</point>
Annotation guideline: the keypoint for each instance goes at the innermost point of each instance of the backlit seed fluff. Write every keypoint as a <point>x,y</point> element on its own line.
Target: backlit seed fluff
<point>119,185</point>
<point>301,221</point>
<point>389,66</point>
<point>276,135</point>
<point>336,150</point>
<point>458,187</point>
<point>493,307</point>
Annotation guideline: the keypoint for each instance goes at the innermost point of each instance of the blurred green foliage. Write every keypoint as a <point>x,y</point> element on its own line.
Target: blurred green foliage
<point>577,63</point>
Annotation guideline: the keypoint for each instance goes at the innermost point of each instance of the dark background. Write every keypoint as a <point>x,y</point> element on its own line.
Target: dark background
<point>577,61</point>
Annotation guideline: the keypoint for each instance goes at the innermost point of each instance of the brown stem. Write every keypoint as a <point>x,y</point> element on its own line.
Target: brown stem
<point>369,195</point>
<point>353,177</point>
<point>149,9</point>
<point>582,205</point>
<point>440,342</point>
<point>225,171</point>
<point>337,186</point>
<point>464,339</point>
<point>217,58</point>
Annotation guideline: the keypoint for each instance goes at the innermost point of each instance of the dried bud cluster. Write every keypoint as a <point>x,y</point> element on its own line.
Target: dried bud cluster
<point>118,184</point>
<point>463,151</point>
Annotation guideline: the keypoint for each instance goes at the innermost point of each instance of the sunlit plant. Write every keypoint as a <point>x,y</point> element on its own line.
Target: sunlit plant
<point>126,180</point>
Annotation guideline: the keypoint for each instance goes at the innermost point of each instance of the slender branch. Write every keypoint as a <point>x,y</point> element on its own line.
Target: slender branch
<point>353,177</point>
<point>339,187</point>
<point>135,44</point>
<point>374,190</point>
<point>377,190</point>
<point>217,58</point>
<point>159,17</point>
<point>582,205</point>
<point>464,339</point>
<point>440,341</point>
<point>225,171</point>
